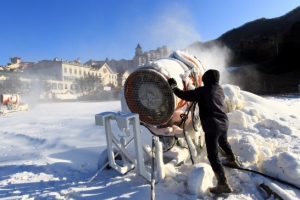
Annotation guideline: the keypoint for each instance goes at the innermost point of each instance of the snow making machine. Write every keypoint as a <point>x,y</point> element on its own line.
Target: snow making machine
<point>149,107</point>
<point>9,103</point>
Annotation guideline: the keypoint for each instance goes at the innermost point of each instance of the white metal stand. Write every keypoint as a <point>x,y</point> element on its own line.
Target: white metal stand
<point>124,120</point>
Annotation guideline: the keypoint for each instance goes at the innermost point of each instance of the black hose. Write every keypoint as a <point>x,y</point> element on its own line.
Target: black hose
<point>169,148</point>
<point>265,175</point>
<point>152,170</point>
<point>184,118</point>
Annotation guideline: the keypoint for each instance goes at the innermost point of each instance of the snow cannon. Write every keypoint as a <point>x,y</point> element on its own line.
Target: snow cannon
<point>11,101</point>
<point>149,101</point>
<point>148,93</point>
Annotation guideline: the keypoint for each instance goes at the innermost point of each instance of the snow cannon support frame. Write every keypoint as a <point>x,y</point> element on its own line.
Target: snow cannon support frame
<point>123,121</point>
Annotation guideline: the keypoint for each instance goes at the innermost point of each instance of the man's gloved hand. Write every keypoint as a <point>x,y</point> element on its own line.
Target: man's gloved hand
<point>172,82</point>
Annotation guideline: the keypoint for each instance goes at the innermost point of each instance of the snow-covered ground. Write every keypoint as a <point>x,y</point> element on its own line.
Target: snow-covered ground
<point>52,150</point>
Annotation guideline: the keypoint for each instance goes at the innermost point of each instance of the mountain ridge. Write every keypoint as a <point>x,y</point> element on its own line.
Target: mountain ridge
<point>269,43</point>
<point>262,26</point>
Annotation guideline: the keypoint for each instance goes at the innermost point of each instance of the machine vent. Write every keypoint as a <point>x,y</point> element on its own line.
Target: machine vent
<point>148,93</point>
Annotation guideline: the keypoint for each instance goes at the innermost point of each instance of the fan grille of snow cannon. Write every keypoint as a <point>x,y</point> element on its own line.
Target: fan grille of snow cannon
<point>148,93</point>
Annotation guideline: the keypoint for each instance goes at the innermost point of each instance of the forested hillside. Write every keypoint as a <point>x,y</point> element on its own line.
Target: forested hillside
<point>271,49</point>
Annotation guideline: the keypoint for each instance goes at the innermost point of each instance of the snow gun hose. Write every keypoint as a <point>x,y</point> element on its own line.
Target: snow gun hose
<point>152,169</point>
<point>265,175</point>
<point>184,118</point>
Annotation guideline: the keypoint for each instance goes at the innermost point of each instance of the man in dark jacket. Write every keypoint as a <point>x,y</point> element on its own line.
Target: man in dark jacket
<point>214,122</point>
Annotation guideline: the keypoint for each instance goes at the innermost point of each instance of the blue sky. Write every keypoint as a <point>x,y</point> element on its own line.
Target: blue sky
<point>95,29</point>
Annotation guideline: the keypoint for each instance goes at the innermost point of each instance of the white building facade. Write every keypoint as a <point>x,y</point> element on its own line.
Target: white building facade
<point>62,74</point>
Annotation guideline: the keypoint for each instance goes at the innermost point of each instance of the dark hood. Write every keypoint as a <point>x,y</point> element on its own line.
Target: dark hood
<point>211,77</point>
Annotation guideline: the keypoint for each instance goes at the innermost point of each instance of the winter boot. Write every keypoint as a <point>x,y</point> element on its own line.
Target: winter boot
<point>232,162</point>
<point>222,186</point>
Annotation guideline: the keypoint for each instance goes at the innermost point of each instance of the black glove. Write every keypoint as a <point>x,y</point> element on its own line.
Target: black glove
<point>172,82</point>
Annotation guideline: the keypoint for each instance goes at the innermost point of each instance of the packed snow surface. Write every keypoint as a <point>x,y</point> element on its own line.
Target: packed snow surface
<point>52,150</point>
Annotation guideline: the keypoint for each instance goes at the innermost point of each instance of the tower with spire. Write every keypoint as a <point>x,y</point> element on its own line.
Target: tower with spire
<point>139,59</point>
<point>138,50</point>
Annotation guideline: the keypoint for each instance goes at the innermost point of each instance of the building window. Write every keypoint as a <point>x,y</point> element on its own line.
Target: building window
<point>75,71</point>
<point>79,72</point>
<point>60,86</point>
<point>54,86</point>
<point>70,71</point>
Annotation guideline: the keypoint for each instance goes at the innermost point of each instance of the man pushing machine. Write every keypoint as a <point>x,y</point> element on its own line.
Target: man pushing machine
<point>214,121</point>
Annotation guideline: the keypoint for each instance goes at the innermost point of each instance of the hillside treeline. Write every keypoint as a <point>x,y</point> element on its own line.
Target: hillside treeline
<point>278,53</point>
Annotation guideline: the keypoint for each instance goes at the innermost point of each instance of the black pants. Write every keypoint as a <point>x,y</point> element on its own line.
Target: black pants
<point>213,139</point>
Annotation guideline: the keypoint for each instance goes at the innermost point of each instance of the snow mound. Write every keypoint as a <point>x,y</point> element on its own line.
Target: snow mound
<point>233,98</point>
<point>277,127</point>
<point>285,166</point>
<point>200,179</point>
<point>246,148</point>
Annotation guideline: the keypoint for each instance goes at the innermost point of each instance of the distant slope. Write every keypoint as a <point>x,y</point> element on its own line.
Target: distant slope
<point>273,44</point>
<point>260,27</point>
<point>270,50</point>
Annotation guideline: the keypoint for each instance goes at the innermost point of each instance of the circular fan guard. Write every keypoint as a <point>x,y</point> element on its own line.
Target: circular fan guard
<point>148,93</point>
